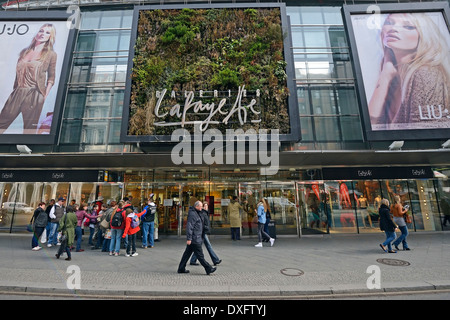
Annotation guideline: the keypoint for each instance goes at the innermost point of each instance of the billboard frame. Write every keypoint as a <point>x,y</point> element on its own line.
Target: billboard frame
<point>45,16</point>
<point>386,134</point>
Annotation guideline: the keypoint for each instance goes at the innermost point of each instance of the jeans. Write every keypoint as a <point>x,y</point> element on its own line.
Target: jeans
<point>402,237</point>
<point>116,236</point>
<point>106,245</point>
<point>131,243</point>
<point>79,236</point>
<point>212,254</point>
<point>91,234</point>
<point>53,236</point>
<point>100,238</point>
<point>36,235</point>
<point>148,230</point>
<point>261,233</point>
<point>235,233</point>
<point>390,236</point>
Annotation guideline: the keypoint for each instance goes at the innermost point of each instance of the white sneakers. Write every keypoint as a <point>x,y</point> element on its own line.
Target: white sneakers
<point>36,248</point>
<point>260,245</point>
<point>132,255</point>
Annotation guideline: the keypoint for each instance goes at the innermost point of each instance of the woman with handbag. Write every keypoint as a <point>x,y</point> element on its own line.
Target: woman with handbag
<point>399,212</point>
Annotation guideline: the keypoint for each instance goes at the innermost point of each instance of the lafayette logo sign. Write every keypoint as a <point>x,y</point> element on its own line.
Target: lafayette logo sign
<point>214,114</point>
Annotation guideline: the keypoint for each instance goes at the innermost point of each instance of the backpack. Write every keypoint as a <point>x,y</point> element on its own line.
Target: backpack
<point>41,219</point>
<point>134,221</point>
<point>117,218</point>
<point>150,214</point>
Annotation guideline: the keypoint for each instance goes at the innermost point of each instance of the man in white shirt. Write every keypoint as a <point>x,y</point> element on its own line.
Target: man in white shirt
<point>56,213</point>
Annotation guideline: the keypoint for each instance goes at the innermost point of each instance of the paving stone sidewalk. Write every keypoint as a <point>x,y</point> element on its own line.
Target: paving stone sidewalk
<point>327,265</point>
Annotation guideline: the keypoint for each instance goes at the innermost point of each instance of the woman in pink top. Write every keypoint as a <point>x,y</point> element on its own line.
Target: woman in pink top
<point>81,214</point>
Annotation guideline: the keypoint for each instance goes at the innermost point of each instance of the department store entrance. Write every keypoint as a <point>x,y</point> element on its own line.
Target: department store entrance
<point>174,199</point>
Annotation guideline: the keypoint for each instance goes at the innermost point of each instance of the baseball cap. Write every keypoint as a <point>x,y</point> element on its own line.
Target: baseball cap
<point>61,199</point>
<point>151,195</point>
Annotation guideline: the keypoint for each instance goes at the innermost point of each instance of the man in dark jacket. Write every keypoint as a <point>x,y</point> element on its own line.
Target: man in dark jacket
<point>194,235</point>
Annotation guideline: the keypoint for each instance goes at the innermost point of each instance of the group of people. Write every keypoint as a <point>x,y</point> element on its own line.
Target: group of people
<point>391,218</point>
<point>262,218</point>
<point>110,224</point>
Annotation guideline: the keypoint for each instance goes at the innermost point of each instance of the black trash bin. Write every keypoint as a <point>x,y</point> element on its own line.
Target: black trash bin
<point>272,229</point>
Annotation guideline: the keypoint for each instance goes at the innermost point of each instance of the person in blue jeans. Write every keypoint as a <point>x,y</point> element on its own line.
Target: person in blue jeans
<point>398,212</point>
<point>207,229</point>
<point>148,223</point>
<point>387,225</point>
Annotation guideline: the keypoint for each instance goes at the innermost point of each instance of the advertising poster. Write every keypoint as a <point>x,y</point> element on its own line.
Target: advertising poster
<point>403,64</point>
<point>31,60</point>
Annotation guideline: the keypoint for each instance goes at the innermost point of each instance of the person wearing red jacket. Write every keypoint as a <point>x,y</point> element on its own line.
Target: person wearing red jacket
<point>130,231</point>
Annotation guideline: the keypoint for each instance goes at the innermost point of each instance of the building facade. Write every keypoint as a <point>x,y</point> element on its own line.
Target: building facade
<point>329,181</point>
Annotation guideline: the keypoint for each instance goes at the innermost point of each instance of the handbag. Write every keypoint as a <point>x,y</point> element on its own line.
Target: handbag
<point>104,224</point>
<point>407,218</point>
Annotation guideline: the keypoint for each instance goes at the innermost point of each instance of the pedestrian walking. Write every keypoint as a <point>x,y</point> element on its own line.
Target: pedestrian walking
<point>39,222</point>
<point>195,237</point>
<point>398,211</point>
<point>387,225</point>
<point>262,209</point>
<point>67,227</point>
<point>207,230</point>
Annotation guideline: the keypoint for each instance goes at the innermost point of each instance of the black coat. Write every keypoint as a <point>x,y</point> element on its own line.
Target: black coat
<point>194,226</point>
<point>386,223</point>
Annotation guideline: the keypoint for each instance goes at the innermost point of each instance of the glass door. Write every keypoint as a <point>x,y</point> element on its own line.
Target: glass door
<point>283,210</point>
<point>315,207</point>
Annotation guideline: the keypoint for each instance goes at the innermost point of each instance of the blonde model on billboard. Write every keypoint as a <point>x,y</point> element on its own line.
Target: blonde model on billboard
<point>412,88</point>
<point>35,76</point>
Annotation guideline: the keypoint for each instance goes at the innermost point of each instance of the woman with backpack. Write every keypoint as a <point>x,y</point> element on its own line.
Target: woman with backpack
<point>40,222</point>
<point>117,226</point>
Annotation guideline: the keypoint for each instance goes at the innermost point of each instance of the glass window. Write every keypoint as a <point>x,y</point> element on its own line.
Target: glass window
<point>323,101</point>
<point>306,125</point>
<point>90,20</point>
<point>303,100</point>
<point>111,19</point>
<point>107,41</point>
<point>327,129</point>
<point>332,15</point>
<point>311,15</point>
<point>351,128</point>
<point>424,206</point>
<point>70,131</point>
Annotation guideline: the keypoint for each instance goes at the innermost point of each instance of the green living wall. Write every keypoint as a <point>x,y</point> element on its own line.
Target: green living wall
<point>209,49</point>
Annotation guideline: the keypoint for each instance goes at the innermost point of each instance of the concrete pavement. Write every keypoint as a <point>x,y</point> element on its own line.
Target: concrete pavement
<point>307,267</point>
